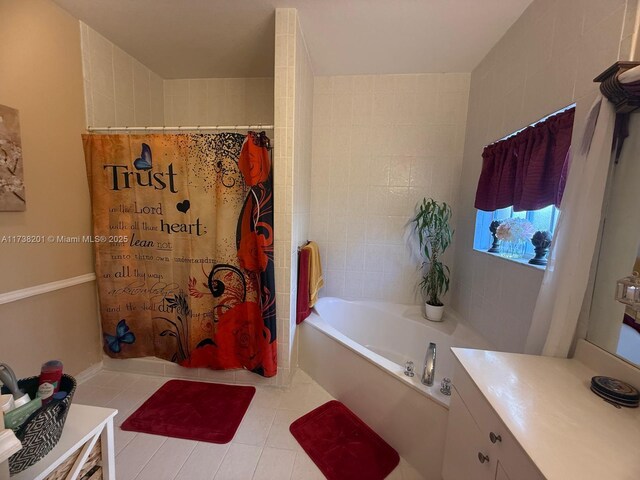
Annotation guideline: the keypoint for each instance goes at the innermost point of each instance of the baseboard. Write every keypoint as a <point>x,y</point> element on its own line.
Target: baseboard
<point>163,368</point>
<point>87,373</point>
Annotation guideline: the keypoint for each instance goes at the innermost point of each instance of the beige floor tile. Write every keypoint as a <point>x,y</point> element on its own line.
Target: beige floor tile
<point>300,376</point>
<point>408,472</point>
<point>280,437</point>
<point>127,400</point>
<point>133,458</point>
<point>267,397</point>
<point>287,417</point>
<point>239,463</point>
<point>305,469</point>
<point>204,461</point>
<point>275,464</point>
<point>147,384</point>
<point>263,447</point>
<point>101,379</point>
<point>98,396</point>
<point>122,438</point>
<point>168,460</point>
<point>295,397</point>
<point>255,425</point>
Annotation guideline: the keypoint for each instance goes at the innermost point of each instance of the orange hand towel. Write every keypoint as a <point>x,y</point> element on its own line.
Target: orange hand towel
<point>315,272</point>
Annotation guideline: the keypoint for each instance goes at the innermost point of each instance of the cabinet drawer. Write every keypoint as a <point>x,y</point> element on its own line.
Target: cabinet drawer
<point>513,458</point>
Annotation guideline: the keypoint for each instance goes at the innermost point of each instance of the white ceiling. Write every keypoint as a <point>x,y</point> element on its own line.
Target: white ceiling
<point>234,38</point>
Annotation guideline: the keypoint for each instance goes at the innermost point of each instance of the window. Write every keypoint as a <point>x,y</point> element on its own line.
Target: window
<point>523,177</point>
<point>544,219</point>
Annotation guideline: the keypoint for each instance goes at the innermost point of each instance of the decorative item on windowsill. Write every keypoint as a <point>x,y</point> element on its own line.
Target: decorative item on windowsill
<point>495,246</point>
<point>628,291</point>
<point>541,242</point>
<point>434,233</point>
<point>514,234</point>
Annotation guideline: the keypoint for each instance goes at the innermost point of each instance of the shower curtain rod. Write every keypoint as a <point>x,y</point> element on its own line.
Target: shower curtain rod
<point>196,127</point>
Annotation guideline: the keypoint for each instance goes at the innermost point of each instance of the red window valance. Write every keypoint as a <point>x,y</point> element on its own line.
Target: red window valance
<point>527,170</point>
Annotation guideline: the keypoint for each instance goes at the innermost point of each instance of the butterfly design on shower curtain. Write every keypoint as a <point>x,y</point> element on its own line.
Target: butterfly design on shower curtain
<point>123,335</point>
<point>144,162</point>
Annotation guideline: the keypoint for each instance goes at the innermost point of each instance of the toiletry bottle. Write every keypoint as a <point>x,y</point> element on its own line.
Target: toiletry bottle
<point>49,382</point>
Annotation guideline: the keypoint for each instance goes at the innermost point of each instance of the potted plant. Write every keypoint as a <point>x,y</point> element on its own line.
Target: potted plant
<point>434,234</point>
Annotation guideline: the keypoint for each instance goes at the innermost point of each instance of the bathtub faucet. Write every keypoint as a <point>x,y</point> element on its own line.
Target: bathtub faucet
<point>429,370</point>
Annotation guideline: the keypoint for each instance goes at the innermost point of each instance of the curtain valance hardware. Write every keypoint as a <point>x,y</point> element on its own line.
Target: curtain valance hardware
<point>620,84</point>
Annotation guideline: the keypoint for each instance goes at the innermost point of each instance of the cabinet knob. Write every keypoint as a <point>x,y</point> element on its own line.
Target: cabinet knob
<point>482,457</point>
<point>495,438</point>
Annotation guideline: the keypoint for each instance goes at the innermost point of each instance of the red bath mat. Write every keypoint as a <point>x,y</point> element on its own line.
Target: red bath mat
<point>206,412</point>
<point>343,446</point>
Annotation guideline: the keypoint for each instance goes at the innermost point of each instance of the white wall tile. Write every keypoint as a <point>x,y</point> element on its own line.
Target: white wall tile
<point>142,94</point>
<point>220,101</point>
<point>125,115</point>
<point>119,90</point>
<point>123,76</point>
<point>374,137</point>
<point>104,109</point>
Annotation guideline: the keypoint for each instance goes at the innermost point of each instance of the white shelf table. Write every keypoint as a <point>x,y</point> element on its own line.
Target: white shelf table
<point>84,426</point>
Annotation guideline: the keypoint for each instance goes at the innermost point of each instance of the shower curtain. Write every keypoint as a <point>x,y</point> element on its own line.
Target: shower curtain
<point>183,236</point>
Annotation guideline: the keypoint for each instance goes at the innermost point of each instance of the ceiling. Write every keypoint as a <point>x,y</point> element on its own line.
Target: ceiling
<point>234,38</point>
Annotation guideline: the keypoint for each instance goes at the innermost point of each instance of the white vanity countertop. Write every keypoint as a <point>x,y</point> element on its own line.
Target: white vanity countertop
<point>567,431</point>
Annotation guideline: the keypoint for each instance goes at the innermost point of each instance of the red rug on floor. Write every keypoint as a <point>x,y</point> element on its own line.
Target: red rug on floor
<point>343,446</point>
<point>206,412</point>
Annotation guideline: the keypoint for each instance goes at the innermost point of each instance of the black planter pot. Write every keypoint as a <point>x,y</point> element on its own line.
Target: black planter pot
<point>541,256</point>
<point>495,246</point>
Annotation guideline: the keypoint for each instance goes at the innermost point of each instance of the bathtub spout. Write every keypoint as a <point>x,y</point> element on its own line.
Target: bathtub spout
<point>429,370</point>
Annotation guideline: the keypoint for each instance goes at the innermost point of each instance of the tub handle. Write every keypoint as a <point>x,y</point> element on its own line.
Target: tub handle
<point>445,387</point>
<point>409,369</point>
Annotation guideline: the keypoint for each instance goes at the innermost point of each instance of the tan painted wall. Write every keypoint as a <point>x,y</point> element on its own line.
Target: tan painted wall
<point>41,69</point>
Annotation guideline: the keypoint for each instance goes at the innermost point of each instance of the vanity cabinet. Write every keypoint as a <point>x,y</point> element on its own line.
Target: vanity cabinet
<point>527,417</point>
<point>464,444</point>
<point>478,445</point>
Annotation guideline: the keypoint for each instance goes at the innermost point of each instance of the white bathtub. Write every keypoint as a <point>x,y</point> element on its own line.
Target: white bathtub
<point>357,352</point>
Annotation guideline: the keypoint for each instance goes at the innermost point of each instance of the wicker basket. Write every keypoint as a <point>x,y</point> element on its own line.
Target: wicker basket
<point>42,430</point>
<point>91,470</point>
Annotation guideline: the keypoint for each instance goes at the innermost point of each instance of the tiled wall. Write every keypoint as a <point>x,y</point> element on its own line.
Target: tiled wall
<point>546,60</point>
<point>292,166</point>
<point>381,143</point>
<point>119,90</point>
<point>301,208</point>
<point>283,179</point>
<point>218,101</point>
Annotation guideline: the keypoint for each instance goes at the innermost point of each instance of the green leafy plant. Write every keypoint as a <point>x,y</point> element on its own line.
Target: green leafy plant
<point>434,234</point>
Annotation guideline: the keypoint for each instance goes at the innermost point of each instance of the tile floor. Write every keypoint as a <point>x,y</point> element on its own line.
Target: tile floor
<point>262,449</point>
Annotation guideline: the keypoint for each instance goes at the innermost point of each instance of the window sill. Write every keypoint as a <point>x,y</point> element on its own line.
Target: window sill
<point>521,261</point>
